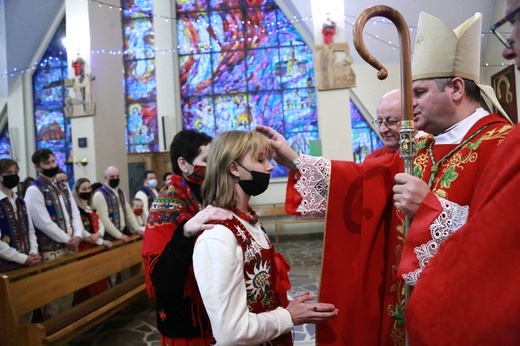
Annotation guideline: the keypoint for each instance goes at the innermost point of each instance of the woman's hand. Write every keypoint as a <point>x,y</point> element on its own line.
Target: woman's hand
<point>302,311</point>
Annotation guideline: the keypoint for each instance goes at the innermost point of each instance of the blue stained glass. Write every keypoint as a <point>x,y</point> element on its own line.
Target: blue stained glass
<point>193,36</point>
<point>267,109</point>
<point>254,74</point>
<point>142,128</point>
<point>287,32</point>
<point>139,39</point>
<point>229,72</point>
<point>261,27</point>
<point>140,80</point>
<point>48,87</point>
<point>52,128</point>
<point>196,73</point>
<point>364,139</point>
<point>5,143</point>
<point>226,29</point>
<point>199,114</point>
<point>297,67</point>
<point>224,4</point>
<point>248,3</point>
<point>137,8</point>
<point>262,70</point>
<point>189,5</point>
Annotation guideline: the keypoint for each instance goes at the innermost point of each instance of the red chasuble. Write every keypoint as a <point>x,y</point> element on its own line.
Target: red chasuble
<point>468,293</point>
<point>364,235</point>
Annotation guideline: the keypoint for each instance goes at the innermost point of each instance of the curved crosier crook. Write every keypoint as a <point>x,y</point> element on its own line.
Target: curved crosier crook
<point>404,38</point>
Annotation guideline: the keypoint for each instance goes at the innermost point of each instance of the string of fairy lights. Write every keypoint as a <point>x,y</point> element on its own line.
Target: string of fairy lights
<point>348,19</point>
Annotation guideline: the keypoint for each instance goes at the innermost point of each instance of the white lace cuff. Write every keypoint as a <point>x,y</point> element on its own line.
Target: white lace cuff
<point>452,217</point>
<point>313,185</point>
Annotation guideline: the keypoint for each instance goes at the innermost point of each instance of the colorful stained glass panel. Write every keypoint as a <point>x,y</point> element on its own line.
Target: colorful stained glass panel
<point>5,143</point>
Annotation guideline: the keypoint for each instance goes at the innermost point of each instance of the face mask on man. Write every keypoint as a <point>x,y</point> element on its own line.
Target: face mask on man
<point>50,172</point>
<point>198,175</point>
<point>152,183</point>
<point>138,211</point>
<point>257,185</point>
<point>113,183</point>
<point>10,180</point>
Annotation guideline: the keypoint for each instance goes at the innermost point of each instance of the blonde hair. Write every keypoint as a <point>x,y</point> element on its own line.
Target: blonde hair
<point>218,188</point>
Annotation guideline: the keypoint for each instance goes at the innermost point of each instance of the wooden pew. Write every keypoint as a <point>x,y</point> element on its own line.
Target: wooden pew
<point>274,213</point>
<point>25,289</point>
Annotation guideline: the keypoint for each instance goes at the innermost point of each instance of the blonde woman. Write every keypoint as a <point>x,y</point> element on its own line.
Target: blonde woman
<point>242,280</point>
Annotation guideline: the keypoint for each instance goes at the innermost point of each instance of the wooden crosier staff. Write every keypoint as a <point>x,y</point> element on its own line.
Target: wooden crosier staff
<point>406,135</point>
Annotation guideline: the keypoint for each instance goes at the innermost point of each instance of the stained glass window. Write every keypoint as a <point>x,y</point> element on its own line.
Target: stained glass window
<point>52,128</point>
<point>364,139</point>
<point>140,82</point>
<point>242,63</point>
<point>5,143</point>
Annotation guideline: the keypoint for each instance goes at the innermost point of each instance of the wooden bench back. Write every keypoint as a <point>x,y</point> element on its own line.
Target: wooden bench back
<point>26,292</point>
<point>269,209</point>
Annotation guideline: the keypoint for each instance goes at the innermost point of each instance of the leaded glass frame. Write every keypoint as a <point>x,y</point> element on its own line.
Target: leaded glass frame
<point>142,130</point>
<point>242,63</point>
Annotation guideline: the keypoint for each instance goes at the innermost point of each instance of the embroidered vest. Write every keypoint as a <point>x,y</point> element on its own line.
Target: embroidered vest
<point>149,193</point>
<point>113,205</point>
<point>90,220</point>
<point>14,226</point>
<point>259,274</point>
<point>51,196</point>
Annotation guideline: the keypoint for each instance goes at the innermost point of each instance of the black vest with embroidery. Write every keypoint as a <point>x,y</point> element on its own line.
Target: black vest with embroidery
<point>14,226</point>
<point>51,195</point>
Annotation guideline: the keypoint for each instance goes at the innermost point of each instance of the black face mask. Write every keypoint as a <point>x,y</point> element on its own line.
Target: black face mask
<point>257,185</point>
<point>50,172</point>
<point>10,180</point>
<point>85,195</point>
<point>113,183</point>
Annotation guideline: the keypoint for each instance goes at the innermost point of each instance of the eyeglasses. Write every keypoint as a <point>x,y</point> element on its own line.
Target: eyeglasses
<point>506,41</point>
<point>388,123</point>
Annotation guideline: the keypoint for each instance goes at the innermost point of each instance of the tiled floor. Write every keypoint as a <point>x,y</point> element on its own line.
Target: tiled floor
<point>136,326</point>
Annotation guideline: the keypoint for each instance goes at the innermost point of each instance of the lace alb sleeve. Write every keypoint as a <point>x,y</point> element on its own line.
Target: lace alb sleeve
<point>313,185</point>
<point>452,217</point>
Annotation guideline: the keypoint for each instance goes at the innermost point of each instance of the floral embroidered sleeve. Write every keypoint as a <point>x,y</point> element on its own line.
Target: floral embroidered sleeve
<point>452,217</point>
<point>313,185</point>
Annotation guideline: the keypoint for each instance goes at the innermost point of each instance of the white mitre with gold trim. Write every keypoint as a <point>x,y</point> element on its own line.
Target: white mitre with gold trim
<point>442,52</point>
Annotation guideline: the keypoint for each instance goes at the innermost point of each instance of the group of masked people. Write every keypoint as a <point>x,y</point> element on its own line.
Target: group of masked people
<point>218,280</point>
<point>51,220</point>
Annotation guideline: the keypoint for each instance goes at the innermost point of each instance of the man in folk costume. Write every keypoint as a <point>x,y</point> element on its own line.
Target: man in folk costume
<point>147,192</point>
<point>475,272</point>
<point>174,220</point>
<point>364,236</point>
<point>18,245</point>
<point>114,209</point>
<point>55,215</point>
